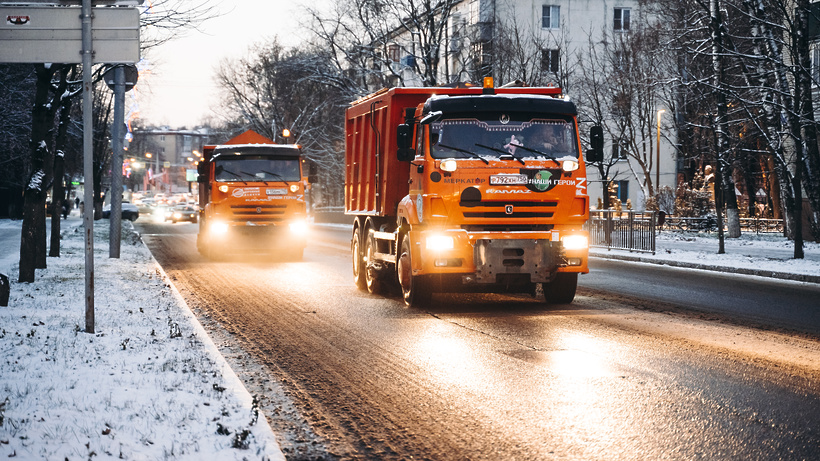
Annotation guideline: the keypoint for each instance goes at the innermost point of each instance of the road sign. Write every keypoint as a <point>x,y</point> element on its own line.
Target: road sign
<point>43,34</point>
<point>131,76</point>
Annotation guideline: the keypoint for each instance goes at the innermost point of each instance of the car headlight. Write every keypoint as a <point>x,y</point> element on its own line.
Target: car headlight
<point>575,242</point>
<point>298,227</point>
<point>177,215</point>
<point>439,242</point>
<point>219,227</point>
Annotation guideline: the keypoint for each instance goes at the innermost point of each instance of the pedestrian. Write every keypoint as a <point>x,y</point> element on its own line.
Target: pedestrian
<point>76,202</point>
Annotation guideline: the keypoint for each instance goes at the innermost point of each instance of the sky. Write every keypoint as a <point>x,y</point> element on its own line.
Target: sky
<point>178,89</point>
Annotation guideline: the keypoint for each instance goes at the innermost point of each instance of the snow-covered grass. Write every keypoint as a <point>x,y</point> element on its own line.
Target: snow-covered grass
<point>148,384</point>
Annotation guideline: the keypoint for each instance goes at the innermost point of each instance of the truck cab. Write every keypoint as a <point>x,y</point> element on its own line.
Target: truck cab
<point>253,201</point>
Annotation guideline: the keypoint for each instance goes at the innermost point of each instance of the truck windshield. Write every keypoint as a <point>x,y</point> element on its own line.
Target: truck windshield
<point>256,168</point>
<point>502,137</point>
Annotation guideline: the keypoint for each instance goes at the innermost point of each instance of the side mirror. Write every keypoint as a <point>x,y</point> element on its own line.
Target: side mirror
<point>404,141</point>
<point>595,153</point>
<point>202,172</point>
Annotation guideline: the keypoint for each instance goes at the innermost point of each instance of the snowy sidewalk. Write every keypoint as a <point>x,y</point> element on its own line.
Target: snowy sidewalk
<point>765,255</point>
<point>149,384</point>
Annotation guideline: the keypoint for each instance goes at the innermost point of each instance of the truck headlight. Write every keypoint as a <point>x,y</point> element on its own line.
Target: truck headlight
<point>219,227</point>
<point>439,242</point>
<point>569,165</point>
<point>448,165</point>
<point>575,242</point>
<point>298,227</point>
<point>223,188</point>
<point>294,187</point>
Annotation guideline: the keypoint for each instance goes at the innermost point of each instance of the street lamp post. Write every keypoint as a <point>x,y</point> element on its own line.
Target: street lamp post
<point>658,154</point>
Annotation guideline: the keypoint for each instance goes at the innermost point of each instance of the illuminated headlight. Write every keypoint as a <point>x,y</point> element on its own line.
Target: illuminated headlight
<point>439,242</point>
<point>223,188</point>
<point>575,242</point>
<point>448,166</point>
<point>177,215</point>
<point>298,227</point>
<point>219,227</point>
<point>294,187</point>
<point>569,165</point>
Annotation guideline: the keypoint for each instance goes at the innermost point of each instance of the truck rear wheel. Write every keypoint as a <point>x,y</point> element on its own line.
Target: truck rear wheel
<point>358,260</point>
<point>414,289</point>
<point>562,289</point>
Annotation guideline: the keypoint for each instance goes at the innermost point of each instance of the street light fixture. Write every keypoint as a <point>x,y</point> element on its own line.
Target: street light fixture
<point>658,154</point>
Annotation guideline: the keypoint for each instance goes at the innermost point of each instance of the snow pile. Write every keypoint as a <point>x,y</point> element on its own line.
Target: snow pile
<point>149,384</point>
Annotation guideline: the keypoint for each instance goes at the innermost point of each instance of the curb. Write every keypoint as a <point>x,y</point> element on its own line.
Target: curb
<point>726,269</point>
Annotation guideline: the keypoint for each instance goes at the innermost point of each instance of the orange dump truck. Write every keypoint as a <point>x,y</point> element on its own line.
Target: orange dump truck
<point>252,198</point>
<point>467,189</point>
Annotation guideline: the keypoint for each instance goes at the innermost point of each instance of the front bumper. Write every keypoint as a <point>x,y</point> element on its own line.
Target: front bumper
<point>491,258</point>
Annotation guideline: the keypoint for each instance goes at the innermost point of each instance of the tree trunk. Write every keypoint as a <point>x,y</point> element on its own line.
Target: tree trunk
<point>34,196</point>
<point>58,193</point>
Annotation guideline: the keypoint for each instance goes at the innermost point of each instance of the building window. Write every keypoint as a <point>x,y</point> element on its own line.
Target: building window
<point>619,150</point>
<point>393,52</point>
<point>815,66</point>
<point>475,12</point>
<point>550,61</point>
<point>622,19</point>
<point>623,190</point>
<point>550,17</point>
<point>162,138</point>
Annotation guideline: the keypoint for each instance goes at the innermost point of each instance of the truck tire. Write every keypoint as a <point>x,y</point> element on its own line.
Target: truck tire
<point>414,289</point>
<point>358,260</point>
<point>562,289</point>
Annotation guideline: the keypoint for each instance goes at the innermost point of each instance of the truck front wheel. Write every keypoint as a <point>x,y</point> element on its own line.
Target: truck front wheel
<point>358,260</point>
<point>562,289</point>
<point>415,289</point>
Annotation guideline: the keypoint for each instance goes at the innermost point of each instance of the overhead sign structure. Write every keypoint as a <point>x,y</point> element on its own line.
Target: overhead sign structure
<point>46,34</point>
<point>74,2</point>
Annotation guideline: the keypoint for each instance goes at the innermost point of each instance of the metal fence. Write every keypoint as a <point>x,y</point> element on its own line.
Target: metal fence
<point>622,230</point>
<point>709,224</point>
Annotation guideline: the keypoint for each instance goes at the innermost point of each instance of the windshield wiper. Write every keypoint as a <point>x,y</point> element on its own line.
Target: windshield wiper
<point>458,149</point>
<point>237,175</point>
<point>543,154</point>
<point>503,152</point>
<point>277,175</point>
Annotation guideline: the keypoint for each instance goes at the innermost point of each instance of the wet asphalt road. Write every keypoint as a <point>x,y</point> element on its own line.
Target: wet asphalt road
<point>619,374</point>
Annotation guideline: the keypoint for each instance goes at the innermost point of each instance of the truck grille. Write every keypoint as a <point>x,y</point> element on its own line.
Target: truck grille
<point>258,213</point>
<point>498,210</point>
<point>507,227</point>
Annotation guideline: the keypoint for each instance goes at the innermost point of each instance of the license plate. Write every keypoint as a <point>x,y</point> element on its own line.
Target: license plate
<point>276,192</point>
<point>508,179</point>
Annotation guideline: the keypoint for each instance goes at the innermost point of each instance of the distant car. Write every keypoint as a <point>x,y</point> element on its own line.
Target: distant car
<point>129,211</point>
<point>162,213</point>
<point>184,213</point>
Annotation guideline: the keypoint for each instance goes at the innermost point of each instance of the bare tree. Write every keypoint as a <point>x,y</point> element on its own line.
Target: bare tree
<point>276,88</point>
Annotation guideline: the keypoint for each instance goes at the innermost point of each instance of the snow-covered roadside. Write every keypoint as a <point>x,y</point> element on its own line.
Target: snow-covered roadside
<point>149,384</point>
<point>769,255</point>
